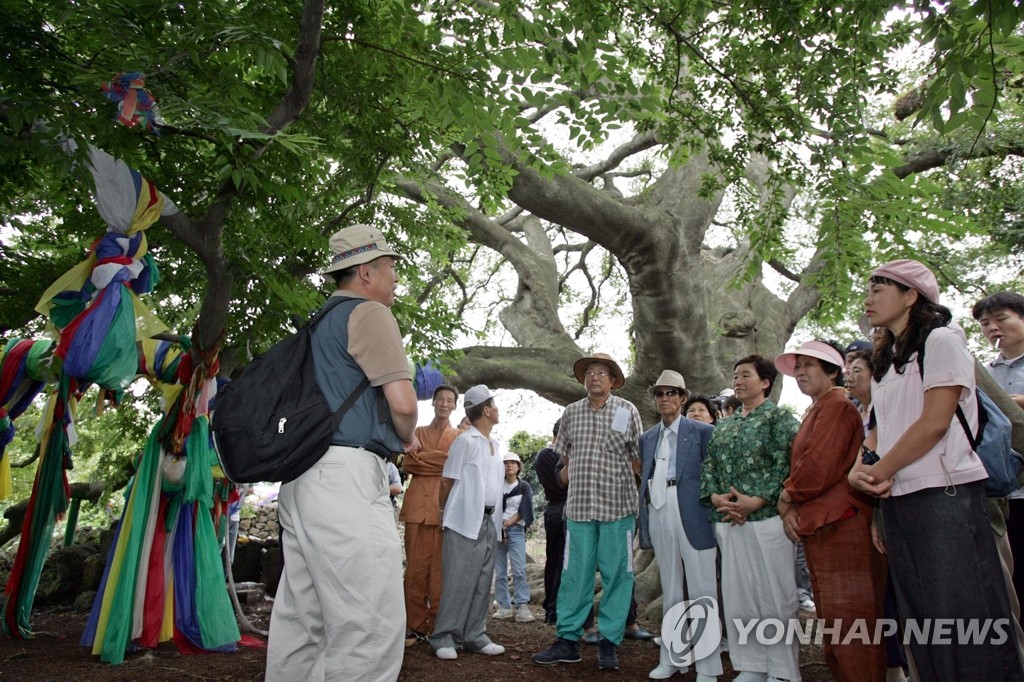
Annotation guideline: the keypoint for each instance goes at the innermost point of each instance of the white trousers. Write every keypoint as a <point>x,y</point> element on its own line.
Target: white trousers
<point>682,569</point>
<point>759,582</point>
<point>339,612</point>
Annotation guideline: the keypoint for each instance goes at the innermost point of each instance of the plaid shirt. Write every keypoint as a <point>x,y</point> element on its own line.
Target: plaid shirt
<point>602,486</point>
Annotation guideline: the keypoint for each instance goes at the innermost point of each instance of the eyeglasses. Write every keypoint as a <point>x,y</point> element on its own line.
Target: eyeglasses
<point>667,393</point>
<point>595,373</point>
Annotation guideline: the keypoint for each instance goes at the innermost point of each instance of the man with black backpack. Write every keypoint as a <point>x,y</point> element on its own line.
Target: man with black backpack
<point>339,613</point>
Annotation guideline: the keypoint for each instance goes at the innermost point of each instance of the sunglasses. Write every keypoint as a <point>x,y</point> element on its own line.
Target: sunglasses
<point>668,393</point>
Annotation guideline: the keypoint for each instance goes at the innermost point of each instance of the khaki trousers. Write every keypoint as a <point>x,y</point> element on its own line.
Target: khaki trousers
<point>338,613</point>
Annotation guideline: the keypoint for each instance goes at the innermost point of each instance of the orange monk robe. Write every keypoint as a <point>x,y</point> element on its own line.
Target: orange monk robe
<point>423,526</point>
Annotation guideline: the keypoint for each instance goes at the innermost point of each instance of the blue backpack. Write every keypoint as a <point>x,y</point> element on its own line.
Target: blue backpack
<point>993,443</point>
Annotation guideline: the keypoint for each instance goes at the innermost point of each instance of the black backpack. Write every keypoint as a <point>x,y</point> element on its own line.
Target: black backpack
<point>273,423</point>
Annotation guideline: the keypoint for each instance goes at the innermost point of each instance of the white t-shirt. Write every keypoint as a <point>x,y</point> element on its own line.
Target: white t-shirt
<point>898,400</point>
<point>474,463</point>
<point>512,503</point>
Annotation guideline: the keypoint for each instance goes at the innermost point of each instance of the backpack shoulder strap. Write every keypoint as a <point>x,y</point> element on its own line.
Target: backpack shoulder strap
<point>317,317</point>
<point>961,417</point>
<point>331,303</point>
<point>350,401</point>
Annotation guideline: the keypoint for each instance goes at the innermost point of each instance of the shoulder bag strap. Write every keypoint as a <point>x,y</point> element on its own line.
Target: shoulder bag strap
<point>959,410</point>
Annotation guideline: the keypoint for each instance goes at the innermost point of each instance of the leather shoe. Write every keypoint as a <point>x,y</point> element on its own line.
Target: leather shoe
<point>639,633</point>
<point>665,671</point>
<point>591,638</point>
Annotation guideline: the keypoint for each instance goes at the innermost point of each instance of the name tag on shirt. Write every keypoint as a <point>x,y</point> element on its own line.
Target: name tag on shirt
<point>620,422</point>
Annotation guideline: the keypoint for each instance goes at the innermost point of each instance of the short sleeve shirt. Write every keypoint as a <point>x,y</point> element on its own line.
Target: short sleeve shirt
<point>1009,374</point>
<point>750,453</point>
<point>898,401</point>
<point>474,463</point>
<point>375,342</point>
<point>600,445</point>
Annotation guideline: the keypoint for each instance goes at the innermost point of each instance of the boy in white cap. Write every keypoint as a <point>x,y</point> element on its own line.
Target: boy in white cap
<point>471,486</point>
<point>516,518</point>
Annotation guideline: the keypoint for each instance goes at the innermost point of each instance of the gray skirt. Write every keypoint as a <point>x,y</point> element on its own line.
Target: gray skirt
<point>949,585</point>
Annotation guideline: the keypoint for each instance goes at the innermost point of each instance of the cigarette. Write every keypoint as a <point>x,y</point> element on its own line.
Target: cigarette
<point>998,342</point>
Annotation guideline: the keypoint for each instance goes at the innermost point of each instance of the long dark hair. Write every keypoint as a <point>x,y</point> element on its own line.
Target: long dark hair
<point>924,317</point>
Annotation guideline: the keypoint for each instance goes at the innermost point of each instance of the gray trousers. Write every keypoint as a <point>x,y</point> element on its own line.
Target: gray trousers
<point>943,562</point>
<point>467,567</point>
<point>803,575</point>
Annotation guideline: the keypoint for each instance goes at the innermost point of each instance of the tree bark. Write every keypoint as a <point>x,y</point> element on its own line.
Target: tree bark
<point>15,514</point>
<point>681,314</point>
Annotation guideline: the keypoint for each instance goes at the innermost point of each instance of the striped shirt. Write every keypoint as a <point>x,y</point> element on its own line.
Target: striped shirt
<point>602,486</point>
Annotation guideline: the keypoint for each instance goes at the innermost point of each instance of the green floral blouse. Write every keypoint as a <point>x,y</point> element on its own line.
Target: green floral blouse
<point>750,453</point>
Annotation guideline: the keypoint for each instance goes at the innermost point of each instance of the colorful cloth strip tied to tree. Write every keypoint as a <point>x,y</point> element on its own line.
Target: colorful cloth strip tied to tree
<point>164,578</point>
<point>134,102</point>
<point>23,374</point>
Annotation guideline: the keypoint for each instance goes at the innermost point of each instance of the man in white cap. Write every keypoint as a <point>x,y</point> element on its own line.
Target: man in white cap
<point>471,488</point>
<point>599,440</point>
<point>680,531</point>
<point>339,611</point>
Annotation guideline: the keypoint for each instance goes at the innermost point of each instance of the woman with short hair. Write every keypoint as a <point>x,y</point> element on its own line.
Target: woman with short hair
<point>819,509</point>
<point>748,459</point>
<point>700,408</point>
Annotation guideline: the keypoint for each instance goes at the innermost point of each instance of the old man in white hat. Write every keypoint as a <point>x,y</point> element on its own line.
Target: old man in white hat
<point>339,611</point>
<point>672,517</point>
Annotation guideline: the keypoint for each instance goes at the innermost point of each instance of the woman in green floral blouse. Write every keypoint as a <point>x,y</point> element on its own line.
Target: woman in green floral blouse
<point>748,459</point>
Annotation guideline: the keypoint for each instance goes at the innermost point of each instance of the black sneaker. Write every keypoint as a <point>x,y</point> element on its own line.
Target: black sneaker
<point>562,651</point>
<point>606,658</point>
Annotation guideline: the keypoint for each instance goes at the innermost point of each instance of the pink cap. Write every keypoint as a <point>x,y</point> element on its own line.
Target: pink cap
<point>786,363</point>
<point>912,274</point>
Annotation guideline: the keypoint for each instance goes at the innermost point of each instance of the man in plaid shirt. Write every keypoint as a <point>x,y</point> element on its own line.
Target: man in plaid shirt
<point>599,442</point>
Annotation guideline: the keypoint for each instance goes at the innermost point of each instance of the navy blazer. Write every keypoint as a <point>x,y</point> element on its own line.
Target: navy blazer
<point>691,449</point>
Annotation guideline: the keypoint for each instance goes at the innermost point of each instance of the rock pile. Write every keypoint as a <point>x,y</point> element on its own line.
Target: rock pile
<point>260,522</point>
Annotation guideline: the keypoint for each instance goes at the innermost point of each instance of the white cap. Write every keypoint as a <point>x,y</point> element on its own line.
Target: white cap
<point>476,395</point>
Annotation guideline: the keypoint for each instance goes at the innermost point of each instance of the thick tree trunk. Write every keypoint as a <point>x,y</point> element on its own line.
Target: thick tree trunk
<point>682,316</point>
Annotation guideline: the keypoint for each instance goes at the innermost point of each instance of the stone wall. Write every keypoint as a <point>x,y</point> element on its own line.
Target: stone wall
<point>258,552</point>
<point>260,522</point>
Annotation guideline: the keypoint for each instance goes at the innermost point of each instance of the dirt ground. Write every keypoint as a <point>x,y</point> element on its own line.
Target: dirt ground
<point>54,655</point>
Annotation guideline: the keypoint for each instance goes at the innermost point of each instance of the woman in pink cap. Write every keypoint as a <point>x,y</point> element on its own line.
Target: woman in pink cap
<point>918,461</point>
<point>819,509</point>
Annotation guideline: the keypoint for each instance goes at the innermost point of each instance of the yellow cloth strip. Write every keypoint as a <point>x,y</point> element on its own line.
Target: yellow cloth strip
<point>114,576</point>
<point>72,280</point>
<point>146,323</point>
<point>145,213</point>
<point>6,482</point>
<point>167,627</point>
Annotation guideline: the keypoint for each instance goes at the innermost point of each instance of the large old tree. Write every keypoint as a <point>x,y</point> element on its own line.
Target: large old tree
<point>576,170</point>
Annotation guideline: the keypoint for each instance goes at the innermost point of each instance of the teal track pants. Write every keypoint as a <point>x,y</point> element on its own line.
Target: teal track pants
<point>605,547</point>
